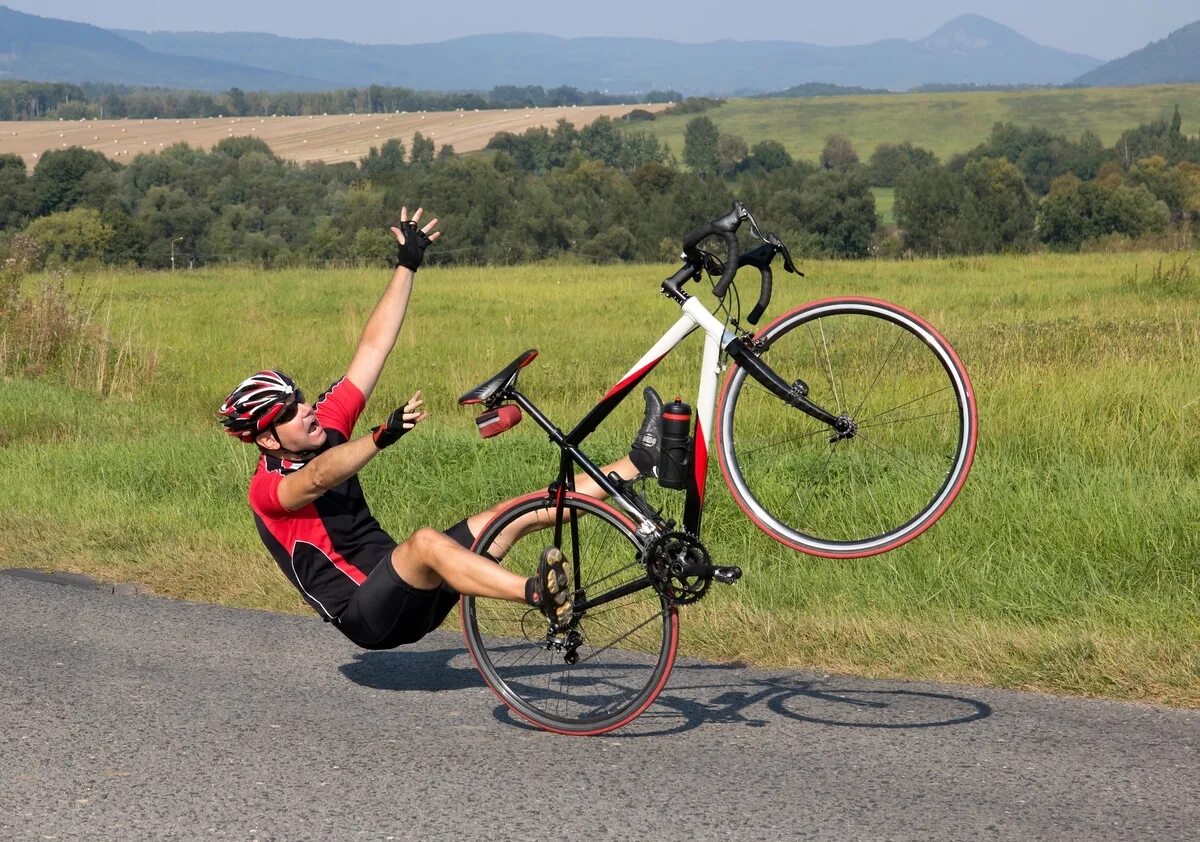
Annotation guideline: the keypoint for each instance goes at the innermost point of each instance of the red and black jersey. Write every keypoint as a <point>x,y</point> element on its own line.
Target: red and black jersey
<point>327,548</point>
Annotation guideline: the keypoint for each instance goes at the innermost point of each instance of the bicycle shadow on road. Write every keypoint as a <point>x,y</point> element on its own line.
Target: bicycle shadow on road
<point>727,694</point>
<point>704,694</point>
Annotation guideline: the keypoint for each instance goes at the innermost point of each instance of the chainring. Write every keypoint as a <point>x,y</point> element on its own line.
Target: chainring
<point>668,560</point>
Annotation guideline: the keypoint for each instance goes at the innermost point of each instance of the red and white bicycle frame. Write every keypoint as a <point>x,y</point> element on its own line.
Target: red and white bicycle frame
<point>717,338</point>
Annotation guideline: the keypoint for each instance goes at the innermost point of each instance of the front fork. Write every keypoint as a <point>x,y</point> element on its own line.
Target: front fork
<point>793,394</point>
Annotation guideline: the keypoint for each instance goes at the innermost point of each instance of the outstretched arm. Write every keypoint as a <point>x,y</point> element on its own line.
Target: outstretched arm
<point>339,463</point>
<point>383,325</point>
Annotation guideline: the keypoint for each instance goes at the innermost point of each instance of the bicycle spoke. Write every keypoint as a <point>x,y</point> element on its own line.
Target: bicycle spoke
<point>903,387</point>
<point>878,374</point>
<point>906,403</point>
<point>779,442</point>
<point>904,462</point>
<point>905,420</point>
<point>823,353</point>
<point>613,643</point>
<point>591,676</point>
<point>812,490</point>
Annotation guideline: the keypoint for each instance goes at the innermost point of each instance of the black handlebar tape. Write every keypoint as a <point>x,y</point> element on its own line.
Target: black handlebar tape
<point>764,297</point>
<point>760,258</point>
<point>726,226</point>
<point>731,265</point>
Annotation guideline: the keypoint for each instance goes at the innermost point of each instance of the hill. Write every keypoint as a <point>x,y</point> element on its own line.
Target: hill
<point>45,49</point>
<point>968,49</point>
<point>944,123</point>
<point>1175,58</point>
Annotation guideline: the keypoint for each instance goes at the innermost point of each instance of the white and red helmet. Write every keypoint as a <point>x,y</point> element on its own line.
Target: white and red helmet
<point>257,403</point>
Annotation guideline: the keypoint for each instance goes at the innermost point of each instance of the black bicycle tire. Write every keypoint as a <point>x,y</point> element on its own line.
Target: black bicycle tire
<point>924,517</point>
<point>509,693</point>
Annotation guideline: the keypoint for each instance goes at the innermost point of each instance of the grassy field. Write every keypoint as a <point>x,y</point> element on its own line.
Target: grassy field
<point>885,204</point>
<point>1070,563</point>
<point>945,123</point>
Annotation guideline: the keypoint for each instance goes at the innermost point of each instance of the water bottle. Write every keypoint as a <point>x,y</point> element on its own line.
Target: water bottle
<point>673,458</point>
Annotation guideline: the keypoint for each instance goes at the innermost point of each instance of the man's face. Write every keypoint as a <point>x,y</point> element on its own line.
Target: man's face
<point>298,432</point>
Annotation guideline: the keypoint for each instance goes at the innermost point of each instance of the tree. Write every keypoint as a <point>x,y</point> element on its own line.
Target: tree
<point>72,235</point>
<point>422,150</point>
<point>237,102</point>
<point>838,153</point>
<point>59,177</point>
<point>601,141</point>
<point>1168,184</point>
<point>839,209</point>
<point>731,152</point>
<point>997,213</point>
<point>891,162</point>
<point>767,156</point>
<point>1074,213</point>
<point>928,203</point>
<point>700,139</point>
<point>385,161</point>
<point>16,194</point>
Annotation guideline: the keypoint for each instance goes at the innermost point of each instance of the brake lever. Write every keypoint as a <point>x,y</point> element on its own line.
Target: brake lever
<point>787,261</point>
<point>787,255</point>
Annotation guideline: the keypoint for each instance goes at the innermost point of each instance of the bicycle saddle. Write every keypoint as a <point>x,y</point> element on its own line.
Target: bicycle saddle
<point>485,391</point>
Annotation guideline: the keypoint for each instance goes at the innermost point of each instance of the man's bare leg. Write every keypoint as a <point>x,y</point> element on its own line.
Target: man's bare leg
<point>427,559</point>
<point>534,521</point>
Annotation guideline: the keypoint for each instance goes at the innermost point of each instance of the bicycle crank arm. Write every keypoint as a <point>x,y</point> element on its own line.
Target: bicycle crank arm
<point>724,575</point>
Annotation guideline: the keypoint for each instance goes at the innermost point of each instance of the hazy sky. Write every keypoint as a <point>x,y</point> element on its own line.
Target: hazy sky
<point>1102,28</point>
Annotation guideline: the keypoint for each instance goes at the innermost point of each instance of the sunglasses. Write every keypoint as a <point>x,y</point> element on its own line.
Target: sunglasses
<point>289,411</point>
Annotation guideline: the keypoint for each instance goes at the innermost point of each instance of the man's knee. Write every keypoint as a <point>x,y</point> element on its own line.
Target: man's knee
<point>426,543</point>
<point>414,559</point>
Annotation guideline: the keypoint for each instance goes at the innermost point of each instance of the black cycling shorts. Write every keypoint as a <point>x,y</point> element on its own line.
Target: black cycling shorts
<point>386,611</point>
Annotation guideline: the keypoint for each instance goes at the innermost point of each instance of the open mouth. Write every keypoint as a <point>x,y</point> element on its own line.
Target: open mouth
<point>313,427</point>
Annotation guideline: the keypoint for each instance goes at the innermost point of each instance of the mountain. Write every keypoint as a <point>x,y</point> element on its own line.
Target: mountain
<point>45,49</point>
<point>1175,58</point>
<point>968,49</point>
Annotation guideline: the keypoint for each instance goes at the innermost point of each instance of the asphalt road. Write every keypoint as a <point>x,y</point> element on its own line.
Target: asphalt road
<point>130,717</point>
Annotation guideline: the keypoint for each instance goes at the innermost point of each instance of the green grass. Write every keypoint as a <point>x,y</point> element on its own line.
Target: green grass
<point>944,123</point>
<point>1070,563</point>
<point>885,204</point>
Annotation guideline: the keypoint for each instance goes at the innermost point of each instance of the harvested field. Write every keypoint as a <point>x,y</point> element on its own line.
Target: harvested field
<point>330,138</point>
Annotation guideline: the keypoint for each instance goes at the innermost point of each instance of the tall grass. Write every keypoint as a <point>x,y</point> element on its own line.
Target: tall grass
<point>55,329</point>
<point>1070,562</point>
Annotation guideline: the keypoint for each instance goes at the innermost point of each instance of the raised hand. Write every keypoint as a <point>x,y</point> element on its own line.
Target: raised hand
<point>400,422</point>
<point>412,241</point>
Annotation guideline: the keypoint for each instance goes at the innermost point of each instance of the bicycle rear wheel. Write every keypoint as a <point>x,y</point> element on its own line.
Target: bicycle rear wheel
<point>615,658</point>
<point>913,408</point>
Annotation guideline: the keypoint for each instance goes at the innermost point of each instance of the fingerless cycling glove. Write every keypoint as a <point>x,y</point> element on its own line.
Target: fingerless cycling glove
<point>411,252</point>
<point>387,434</point>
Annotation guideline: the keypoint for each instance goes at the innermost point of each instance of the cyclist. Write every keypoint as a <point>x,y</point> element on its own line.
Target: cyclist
<point>312,516</point>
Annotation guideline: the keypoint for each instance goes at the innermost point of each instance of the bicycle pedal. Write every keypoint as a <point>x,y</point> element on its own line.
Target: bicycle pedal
<point>727,575</point>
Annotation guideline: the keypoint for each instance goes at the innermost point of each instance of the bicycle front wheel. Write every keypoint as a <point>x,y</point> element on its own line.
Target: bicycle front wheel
<point>613,660</point>
<point>913,438</point>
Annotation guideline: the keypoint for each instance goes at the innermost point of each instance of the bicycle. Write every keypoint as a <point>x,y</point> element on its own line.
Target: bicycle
<point>852,464</point>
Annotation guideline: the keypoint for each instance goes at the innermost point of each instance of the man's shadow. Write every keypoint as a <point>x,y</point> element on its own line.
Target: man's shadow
<point>413,670</point>
<point>700,693</point>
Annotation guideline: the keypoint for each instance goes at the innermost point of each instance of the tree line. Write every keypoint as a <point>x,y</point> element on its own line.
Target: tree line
<point>54,100</point>
<point>604,192</point>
